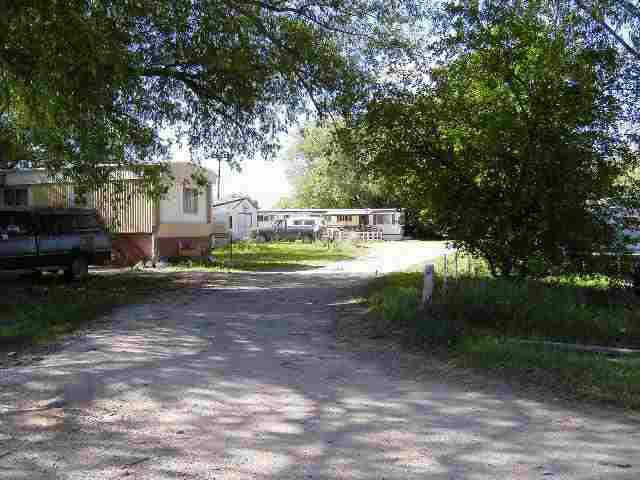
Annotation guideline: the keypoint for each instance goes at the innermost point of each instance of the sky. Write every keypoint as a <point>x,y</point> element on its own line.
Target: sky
<point>263,180</point>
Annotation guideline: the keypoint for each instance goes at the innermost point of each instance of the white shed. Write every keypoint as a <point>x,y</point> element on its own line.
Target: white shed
<point>236,215</point>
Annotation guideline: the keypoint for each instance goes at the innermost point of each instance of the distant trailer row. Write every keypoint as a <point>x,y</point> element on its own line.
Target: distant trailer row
<point>372,223</point>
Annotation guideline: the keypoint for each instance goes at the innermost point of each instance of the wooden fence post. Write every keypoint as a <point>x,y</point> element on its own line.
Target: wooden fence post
<point>427,288</point>
<point>455,264</point>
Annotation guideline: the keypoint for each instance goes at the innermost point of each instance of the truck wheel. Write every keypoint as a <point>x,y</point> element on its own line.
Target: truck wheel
<point>79,269</point>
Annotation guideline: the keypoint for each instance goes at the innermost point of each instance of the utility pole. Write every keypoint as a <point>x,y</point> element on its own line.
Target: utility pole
<point>219,164</point>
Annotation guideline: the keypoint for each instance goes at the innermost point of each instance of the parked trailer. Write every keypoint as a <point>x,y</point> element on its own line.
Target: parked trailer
<point>364,223</point>
<point>295,228</point>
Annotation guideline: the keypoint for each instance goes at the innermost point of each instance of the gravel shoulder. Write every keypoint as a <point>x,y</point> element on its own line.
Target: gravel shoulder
<point>242,376</point>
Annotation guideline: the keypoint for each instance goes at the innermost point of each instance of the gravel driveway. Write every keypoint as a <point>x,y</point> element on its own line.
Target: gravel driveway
<point>241,377</point>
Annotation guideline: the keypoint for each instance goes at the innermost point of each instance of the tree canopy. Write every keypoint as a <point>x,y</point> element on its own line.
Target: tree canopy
<point>107,82</point>
<point>323,176</point>
<point>510,145</point>
<point>461,27</point>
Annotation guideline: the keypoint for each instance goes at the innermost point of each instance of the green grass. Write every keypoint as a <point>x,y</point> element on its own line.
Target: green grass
<point>476,319</point>
<point>250,256</point>
<point>34,311</point>
<point>38,310</point>
<point>582,309</point>
<point>583,375</point>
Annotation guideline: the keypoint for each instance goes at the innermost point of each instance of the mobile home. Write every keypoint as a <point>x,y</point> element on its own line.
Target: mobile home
<point>144,227</point>
<point>388,222</point>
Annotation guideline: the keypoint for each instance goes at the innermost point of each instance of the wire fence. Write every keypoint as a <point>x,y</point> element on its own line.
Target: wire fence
<point>622,268</point>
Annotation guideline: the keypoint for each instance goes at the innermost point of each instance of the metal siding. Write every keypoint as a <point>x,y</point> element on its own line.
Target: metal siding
<point>60,195</point>
<point>124,210</point>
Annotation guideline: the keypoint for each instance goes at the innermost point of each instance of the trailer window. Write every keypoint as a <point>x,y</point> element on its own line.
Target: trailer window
<point>16,197</point>
<point>190,200</point>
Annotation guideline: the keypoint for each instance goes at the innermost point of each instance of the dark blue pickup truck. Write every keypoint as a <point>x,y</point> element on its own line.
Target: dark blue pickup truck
<point>52,239</point>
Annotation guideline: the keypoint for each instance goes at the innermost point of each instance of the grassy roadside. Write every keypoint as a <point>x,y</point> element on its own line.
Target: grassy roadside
<point>585,376</point>
<point>475,323</point>
<point>33,311</point>
<point>37,310</point>
<point>251,256</point>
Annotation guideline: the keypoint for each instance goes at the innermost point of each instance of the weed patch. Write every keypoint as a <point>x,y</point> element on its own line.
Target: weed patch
<point>474,316</point>
<point>38,310</point>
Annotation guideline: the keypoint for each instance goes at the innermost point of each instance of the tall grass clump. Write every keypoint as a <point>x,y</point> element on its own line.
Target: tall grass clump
<point>396,306</point>
<point>573,308</point>
<point>482,321</point>
<point>397,309</point>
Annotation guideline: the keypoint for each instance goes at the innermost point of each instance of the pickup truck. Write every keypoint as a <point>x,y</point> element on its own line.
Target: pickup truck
<point>52,239</point>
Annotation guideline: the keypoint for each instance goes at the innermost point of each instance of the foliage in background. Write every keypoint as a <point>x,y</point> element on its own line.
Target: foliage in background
<point>85,83</point>
<point>510,145</point>
<point>459,27</point>
<point>323,176</point>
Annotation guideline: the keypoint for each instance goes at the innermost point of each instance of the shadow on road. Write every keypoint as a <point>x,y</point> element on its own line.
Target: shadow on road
<point>241,378</point>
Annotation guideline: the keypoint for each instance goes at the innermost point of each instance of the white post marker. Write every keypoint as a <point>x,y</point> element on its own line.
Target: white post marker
<point>427,289</point>
<point>445,273</point>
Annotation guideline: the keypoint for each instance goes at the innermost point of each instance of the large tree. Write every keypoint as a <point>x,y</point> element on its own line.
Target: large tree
<point>510,146</point>
<point>461,27</point>
<point>323,176</point>
<point>108,81</point>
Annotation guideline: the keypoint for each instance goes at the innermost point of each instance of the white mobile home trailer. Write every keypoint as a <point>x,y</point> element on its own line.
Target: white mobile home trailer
<point>389,222</point>
<point>143,227</point>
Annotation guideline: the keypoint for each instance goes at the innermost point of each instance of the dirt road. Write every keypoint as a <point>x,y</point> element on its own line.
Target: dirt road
<point>241,378</point>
